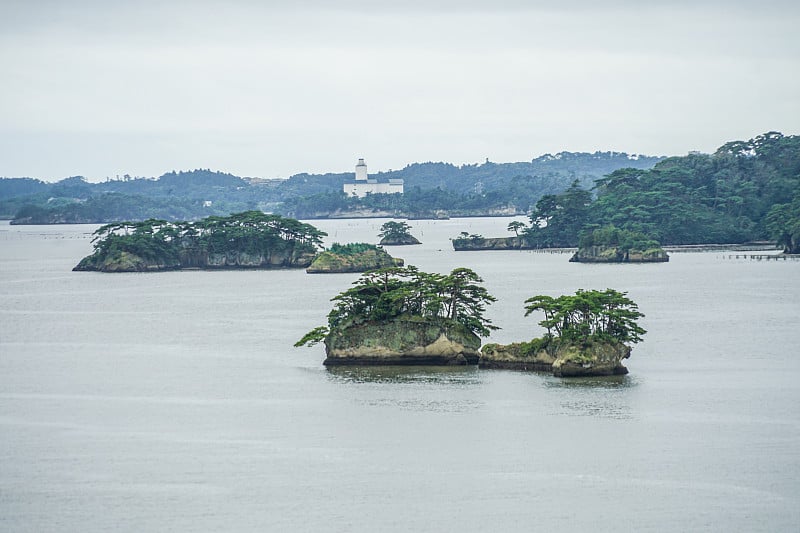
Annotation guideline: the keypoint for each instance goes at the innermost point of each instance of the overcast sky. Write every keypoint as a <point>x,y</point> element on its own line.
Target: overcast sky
<point>274,88</point>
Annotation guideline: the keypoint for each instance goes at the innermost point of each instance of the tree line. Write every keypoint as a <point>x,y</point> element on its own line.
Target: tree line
<point>744,191</point>
<point>250,231</point>
<point>388,293</point>
<point>392,292</point>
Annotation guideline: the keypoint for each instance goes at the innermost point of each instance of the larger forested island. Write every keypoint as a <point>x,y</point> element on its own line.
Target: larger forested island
<point>745,190</point>
<point>250,239</point>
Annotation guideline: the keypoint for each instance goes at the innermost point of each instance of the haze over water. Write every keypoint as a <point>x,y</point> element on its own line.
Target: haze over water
<point>175,402</point>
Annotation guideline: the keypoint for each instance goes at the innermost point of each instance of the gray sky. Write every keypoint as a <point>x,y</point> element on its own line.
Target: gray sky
<point>273,88</point>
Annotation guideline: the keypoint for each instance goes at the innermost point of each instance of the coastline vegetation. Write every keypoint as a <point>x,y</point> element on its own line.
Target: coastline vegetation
<point>388,293</point>
<point>396,233</point>
<point>746,190</point>
<point>249,232</point>
<point>352,257</point>
<point>587,316</point>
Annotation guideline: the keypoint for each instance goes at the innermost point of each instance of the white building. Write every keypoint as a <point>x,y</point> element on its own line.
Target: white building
<point>363,185</point>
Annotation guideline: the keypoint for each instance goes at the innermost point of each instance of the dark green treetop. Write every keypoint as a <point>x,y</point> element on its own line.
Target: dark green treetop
<point>395,230</point>
<point>589,315</point>
<point>557,220</point>
<point>516,227</point>
<point>249,231</point>
<point>611,235</point>
<point>391,292</point>
<point>783,224</point>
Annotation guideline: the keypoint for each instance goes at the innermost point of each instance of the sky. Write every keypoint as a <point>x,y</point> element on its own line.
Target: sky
<point>275,88</point>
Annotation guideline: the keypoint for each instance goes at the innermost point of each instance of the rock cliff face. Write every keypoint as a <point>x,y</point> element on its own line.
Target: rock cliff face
<point>332,263</point>
<point>404,340</point>
<point>399,241</point>
<point>121,261</point>
<point>514,357</point>
<point>489,243</point>
<point>563,359</point>
<point>613,254</point>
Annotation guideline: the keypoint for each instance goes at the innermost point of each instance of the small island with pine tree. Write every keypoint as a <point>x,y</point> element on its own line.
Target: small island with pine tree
<point>588,334</point>
<point>396,234</point>
<point>352,257</point>
<point>403,316</point>
<point>610,244</point>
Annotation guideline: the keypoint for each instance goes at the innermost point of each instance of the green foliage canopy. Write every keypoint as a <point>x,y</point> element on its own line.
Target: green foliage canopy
<point>351,248</point>
<point>612,236</point>
<point>250,231</point>
<point>589,315</point>
<point>388,293</point>
<point>783,224</point>
<point>557,220</point>
<point>395,230</point>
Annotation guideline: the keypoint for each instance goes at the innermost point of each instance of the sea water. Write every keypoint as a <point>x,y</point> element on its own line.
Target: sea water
<point>175,401</point>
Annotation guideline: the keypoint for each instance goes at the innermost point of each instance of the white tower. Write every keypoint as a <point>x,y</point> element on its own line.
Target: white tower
<point>361,171</point>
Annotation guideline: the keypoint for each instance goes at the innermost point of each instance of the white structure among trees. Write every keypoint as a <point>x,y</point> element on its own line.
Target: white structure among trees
<point>363,185</point>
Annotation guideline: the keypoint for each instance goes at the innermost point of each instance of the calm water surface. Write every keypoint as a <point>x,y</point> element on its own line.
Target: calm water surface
<point>175,401</point>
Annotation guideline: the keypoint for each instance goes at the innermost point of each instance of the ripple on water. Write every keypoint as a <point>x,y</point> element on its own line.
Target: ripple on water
<point>601,397</point>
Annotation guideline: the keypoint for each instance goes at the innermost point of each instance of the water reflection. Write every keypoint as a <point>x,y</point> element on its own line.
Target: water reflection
<point>447,375</point>
<point>601,397</point>
<point>595,382</point>
<point>417,388</point>
<point>426,404</point>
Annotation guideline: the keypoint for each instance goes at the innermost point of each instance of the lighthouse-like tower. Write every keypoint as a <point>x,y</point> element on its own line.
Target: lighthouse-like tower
<point>361,171</point>
<point>362,185</point>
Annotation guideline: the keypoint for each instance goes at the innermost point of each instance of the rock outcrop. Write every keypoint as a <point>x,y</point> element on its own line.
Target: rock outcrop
<point>402,240</point>
<point>405,340</point>
<point>489,243</point>
<point>613,254</point>
<point>122,261</point>
<point>563,359</point>
<point>515,356</point>
<point>332,263</point>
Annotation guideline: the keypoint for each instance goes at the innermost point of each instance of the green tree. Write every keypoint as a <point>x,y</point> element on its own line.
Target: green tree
<point>516,227</point>
<point>557,220</point>
<point>388,293</point>
<point>395,230</point>
<point>783,224</point>
<point>250,231</point>
<point>589,315</point>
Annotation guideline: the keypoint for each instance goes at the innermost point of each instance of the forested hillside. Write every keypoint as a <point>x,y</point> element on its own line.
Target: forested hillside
<point>746,190</point>
<point>468,189</point>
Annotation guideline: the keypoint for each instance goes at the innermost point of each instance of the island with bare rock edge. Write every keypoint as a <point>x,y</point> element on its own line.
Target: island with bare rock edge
<point>352,257</point>
<point>397,234</point>
<point>588,334</point>
<point>403,316</point>
<point>610,244</point>
<point>247,240</point>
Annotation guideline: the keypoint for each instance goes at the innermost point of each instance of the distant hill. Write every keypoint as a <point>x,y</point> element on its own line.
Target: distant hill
<point>746,190</point>
<point>485,176</point>
<point>488,188</point>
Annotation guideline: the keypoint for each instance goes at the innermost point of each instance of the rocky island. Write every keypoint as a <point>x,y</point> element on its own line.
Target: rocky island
<point>396,234</point>
<point>403,340</point>
<point>352,257</point>
<point>587,335</point>
<point>246,240</point>
<point>402,316</point>
<point>466,242</point>
<point>610,244</point>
